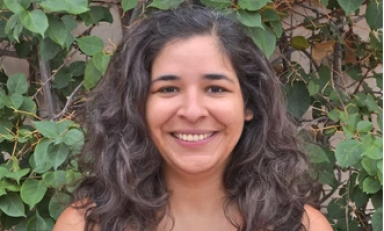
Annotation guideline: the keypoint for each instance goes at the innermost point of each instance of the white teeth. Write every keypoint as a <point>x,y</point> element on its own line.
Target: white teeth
<point>193,137</point>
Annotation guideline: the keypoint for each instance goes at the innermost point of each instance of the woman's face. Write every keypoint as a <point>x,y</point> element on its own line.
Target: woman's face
<point>195,110</point>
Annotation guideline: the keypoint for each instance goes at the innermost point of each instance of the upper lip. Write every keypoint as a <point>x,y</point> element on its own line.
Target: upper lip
<point>187,131</point>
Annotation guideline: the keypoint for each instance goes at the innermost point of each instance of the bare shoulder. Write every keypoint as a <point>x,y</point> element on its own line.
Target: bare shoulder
<point>72,219</point>
<point>314,220</point>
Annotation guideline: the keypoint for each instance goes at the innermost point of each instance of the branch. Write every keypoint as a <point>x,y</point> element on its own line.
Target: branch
<point>314,121</point>
<point>5,52</point>
<point>45,72</point>
<point>69,102</point>
<point>54,74</point>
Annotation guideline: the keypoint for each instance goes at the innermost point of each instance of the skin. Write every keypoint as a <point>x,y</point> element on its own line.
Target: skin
<point>195,90</point>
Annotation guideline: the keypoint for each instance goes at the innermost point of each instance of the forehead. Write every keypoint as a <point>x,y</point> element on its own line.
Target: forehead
<point>203,52</point>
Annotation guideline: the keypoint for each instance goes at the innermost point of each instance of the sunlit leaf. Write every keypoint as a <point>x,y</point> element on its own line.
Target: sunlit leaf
<point>350,6</point>
<point>264,39</point>
<point>17,84</point>
<point>70,6</point>
<point>165,4</point>
<point>12,205</point>
<point>217,4</point>
<point>91,76</point>
<point>374,14</point>
<point>32,191</point>
<point>250,19</point>
<point>90,45</point>
<point>348,152</point>
<point>35,21</point>
<point>128,4</point>
<point>252,4</point>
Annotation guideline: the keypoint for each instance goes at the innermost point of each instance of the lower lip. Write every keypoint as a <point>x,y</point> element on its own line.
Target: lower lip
<point>195,143</point>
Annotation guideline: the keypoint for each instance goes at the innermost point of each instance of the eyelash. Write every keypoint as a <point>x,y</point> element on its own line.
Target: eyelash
<point>210,89</point>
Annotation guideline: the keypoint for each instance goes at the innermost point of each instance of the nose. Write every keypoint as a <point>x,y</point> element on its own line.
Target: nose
<point>192,108</point>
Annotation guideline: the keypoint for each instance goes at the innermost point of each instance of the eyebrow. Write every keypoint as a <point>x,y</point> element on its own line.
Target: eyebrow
<point>212,76</point>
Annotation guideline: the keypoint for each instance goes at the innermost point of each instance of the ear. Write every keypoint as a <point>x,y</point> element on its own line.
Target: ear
<point>248,115</point>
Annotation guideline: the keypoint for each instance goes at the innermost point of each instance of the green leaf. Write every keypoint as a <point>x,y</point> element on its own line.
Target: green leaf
<point>128,4</point>
<point>335,209</point>
<point>379,165</point>
<point>364,126</point>
<point>165,4</point>
<point>77,68</point>
<point>374,152</point>
<point>41,157</point>
<point>371,185</point>
<point>94,16</point>
<point>377,200</point>
<point>270,15</point>
<point>370,166</point>
<point>299,100</point>
<point>355,73</point>
<point>33,191</point>
<point>37,223</point>
<point>13,101</point>
<point>277,28</point>
<point>12,205</point>
<point>58,154</point>
<point>252,4</point>
<point>350,6</point>
<point>348,152</point>
<point>250,19</point>
<point>376,42</point>
<point>379,80</point>
<point>22,226</point>
<point>101,61</point>
<point>71,6</point>
<point>17,83</point>
<point>57,204</point>
<point>28,105</point>
<point>91,76</point>
<point>5,127</point>
<point>90,45</point>
<point>48,129</point>
<point>17,175</point>
<point>313,88</point>
<point>317,154</point>
<point>69,22</point>
<point>62,78</point>
<point>14,6</point>
<point>324,2</point>
<point>35,21</point>
<point>217,4</point>
<point>54,179</point>
<point>63,126</point>
<point>57,30</point>
<point>264,39</point>
<point>377,220</point>
<point>49,49</point>
<point>73,137</point>
<point>299,43</point>
<point>359,197</point>
<point>10,185</point>
<point>374,14</point>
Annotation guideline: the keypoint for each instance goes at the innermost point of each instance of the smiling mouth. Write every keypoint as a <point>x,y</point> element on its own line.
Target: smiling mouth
<point>192,137</point>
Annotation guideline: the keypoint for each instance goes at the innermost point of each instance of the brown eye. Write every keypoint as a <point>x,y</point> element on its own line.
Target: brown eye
<point>168,90</point>
<point>215,89</point>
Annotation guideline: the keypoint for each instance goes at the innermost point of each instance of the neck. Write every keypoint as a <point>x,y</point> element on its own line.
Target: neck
<point>197,202</point>
<point>202,195</point>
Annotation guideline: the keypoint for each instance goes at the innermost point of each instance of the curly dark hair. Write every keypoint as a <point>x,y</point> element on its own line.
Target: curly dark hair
<point>267,176</point>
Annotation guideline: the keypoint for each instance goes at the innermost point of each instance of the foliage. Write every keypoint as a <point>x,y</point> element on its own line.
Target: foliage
<point>339,91</point>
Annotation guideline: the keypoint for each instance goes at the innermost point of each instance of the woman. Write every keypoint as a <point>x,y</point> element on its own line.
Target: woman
<point>188,131</point>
